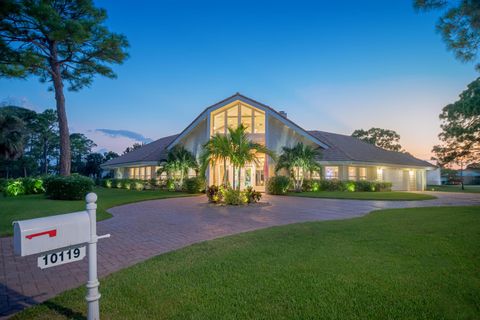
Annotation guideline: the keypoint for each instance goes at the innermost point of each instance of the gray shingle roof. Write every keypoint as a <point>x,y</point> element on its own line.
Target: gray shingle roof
<point>347,148</point>
<point>154,151</point>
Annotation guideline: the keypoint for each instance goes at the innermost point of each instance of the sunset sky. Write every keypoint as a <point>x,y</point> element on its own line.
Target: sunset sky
<point>331,65</point>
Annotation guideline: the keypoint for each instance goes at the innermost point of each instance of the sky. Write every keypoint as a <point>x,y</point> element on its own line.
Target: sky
<point>331,65</point>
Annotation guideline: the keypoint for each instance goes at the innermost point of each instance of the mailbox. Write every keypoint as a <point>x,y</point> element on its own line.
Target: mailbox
<point>50,233</point>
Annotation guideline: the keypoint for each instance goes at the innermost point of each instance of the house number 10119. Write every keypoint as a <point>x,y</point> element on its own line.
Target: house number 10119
<point>61,257</point>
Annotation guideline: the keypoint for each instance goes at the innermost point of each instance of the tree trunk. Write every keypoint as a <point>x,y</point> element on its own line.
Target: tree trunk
<point>225,172</point>
<point>233,176</point>
<point>461,175</point>
<point>239,171</point>
<point>45,165</point>
<point>65,156</point>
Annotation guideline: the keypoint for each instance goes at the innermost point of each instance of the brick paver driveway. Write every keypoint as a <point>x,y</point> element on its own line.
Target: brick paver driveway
<point>142,230</point>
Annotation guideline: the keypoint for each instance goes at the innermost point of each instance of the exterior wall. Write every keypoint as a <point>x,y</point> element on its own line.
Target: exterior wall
<point>433,177</point>
<point>278,135</point>
<point>402,179</point>
<point>194,141</point>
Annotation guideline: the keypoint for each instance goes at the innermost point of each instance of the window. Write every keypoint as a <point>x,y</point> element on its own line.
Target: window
<point>247,118</point>
<point>352,173</point>
<point>148,173</point>
<point>252,119</point>
<point>380,174</point>
<point>331,173</point>
<point>232,117</point>
<point>259,177</point>
<point>362,173</point>
<point>131,173</point>
<point>259,122</point>
<point>219,123</point>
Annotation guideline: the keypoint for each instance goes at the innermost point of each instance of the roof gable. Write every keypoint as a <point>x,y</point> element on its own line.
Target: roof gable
<point>239,97</point>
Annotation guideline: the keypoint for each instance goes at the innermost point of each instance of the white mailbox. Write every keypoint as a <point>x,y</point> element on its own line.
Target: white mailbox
<point>50,233</point>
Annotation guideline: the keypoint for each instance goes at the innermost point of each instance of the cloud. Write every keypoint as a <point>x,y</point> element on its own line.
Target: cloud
<point>125,133</point>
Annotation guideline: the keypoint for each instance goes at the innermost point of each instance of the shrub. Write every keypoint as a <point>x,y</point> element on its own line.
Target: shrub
<point>233,197</point>
<point>107,183</point>
<point>332,185</point>
<point>214,194</point>
<point>383,186</point>
<point>33,185</point>
<point>251,195</point>
<point>311,185</point>
<point>138,185</point>
<point>14,188</point>
<point>73,187</point>
<point>194,185</point>
<point>278,185</point>
<point>363,185</point>
<point>170,185</point>
<point>126,184</point>
<point>350,186</point>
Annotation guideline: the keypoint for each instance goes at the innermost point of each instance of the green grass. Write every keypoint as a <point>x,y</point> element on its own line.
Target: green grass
<point>392,196</point>
<point>455,188</point>
<point>419,263</point>
<point>36,206</point>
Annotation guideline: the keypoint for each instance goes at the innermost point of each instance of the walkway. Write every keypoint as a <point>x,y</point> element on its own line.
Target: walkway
<point>146,229</point>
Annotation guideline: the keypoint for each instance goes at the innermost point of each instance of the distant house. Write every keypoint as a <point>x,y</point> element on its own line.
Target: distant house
<point>471,176</point>
<point>342,157</point>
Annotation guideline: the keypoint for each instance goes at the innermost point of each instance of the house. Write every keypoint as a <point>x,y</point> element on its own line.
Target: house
<point>342,157</point>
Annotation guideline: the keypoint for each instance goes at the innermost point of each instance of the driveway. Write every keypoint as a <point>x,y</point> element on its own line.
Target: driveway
<point>146,229</point>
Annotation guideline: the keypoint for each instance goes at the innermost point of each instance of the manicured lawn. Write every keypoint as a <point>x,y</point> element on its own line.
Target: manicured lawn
<point>394,196</point>
<point>35,206</point>
<point>455,188</point>
<point>419,263</point>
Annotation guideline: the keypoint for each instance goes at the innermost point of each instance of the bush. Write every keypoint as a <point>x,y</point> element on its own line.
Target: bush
<point>311,185</point>
<point>14,188</point>
<point>107,183</point>
<point>383,186</point>
<point>33,185</point>
<point>233,197</point>
<point>251,195</point>
<point>194,185</point>
<point>170,185</point>
<point>332,185</point>
<point>365,186</point>
<point>350,186</point>
<point>138,185</point>
<point>73,187</point>
<point>214,194</point>
<point>278,185</point>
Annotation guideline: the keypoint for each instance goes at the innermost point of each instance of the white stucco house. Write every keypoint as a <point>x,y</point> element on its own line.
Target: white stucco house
<point>342,157</point>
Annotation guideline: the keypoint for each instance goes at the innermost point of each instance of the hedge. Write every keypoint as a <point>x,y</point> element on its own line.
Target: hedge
<point>73,187</point>
<point>351,186</point>
<point>194,185</point>
<point>278,185</point>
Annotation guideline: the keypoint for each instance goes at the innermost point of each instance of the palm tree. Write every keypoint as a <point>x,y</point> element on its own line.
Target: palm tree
<point>215,150</point>
<point>179,160</point>
<point>298,161</point>
<point>235,147</point>
<point>12,137</point>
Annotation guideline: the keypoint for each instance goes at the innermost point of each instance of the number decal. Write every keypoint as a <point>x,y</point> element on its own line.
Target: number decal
<point>68,255</point>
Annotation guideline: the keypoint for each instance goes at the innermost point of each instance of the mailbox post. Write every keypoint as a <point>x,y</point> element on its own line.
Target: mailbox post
<point>68,233</point>
<point>92,285</point>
